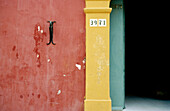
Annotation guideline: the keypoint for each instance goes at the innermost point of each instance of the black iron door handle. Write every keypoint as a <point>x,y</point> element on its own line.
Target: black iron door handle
<point>51,32</point>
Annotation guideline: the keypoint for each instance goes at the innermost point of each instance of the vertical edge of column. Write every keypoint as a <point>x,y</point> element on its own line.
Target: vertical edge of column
<point>97,9</point>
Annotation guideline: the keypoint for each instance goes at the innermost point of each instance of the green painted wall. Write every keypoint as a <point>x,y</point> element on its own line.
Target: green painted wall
<point>117,55</point>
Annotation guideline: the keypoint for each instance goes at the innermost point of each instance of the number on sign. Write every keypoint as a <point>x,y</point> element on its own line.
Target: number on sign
<point>93,22</point>
<point>102,22</point>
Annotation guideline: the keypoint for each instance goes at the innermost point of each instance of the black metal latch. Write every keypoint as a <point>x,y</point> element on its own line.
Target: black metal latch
<point>51,32</point>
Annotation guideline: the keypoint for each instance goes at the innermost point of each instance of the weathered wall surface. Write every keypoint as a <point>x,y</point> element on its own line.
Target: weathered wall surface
<point>35,76</point>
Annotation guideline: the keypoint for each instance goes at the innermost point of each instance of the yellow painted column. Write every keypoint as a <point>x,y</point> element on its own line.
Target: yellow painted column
<point>97,96</point>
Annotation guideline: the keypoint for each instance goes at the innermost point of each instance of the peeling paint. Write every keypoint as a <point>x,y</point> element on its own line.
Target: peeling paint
<point>84,61</point>
<point>38,37</point>
<point>41,31</point>
<point>48,60</point>
<point>37,55</point>
<point>59,92</point>
<point>38,28</point>
<point>78,66</point>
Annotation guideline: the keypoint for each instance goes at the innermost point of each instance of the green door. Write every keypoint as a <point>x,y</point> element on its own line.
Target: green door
<point>117,55</point>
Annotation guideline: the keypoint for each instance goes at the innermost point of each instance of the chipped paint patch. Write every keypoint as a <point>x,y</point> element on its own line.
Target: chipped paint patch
<point>38,28</point>
<point>59,92</point>
<point>38,55</point>
<point>64,75</point>
<point>84,61</point>
<point>41,31</point>
<point>48,60</point>
<point>38,37</point>
<point>78,66</point>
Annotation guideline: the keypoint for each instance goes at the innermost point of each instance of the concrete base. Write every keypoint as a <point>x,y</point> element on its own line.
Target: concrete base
<point>97,105</point>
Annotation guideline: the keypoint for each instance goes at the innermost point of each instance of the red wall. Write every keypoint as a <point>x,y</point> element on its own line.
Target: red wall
<point>35,76</point>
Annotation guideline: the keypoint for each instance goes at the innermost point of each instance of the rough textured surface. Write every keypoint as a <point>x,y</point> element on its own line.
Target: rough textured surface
<point>146,104</point>
<point>34,76</point>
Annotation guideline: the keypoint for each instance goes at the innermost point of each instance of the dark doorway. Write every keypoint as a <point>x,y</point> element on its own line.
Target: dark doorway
<point>146,71</point>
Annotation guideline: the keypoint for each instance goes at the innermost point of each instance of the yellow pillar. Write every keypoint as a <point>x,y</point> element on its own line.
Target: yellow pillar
<point>97,96</point>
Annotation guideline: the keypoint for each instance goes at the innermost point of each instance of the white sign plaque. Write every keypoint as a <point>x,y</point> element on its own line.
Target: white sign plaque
<point>93,22</point>
<point>102,22</point>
